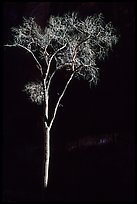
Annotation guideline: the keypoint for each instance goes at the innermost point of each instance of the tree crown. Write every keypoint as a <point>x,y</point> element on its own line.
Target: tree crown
<point>75,43</point>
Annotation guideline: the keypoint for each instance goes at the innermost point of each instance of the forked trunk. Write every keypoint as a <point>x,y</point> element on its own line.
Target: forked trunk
<point>47,129</point>
<point>46,154</point>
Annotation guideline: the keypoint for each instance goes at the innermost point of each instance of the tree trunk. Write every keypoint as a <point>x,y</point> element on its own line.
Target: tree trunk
<point>46,154</point>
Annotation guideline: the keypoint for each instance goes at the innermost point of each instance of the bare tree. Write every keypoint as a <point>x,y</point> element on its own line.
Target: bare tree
<point>75,45</point>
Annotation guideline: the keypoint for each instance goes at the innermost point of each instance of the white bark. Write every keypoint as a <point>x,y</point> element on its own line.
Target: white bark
<point>46,155</point>
<point>46,104</point>
<point>28,50</point>
<point>50,60</point>
<point>57,105</point>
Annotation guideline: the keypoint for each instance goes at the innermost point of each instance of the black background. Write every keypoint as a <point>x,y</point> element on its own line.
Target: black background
<point>96,174</point>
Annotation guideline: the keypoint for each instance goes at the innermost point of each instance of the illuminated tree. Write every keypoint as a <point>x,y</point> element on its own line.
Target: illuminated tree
<point>75,45</point>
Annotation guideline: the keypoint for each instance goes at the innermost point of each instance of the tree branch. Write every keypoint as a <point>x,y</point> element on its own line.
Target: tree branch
<point>51,60</point>
<point>49,82</point>
<point>75,51</point>
<point>57,105</point>
<point>83,41</point>
<point>18,45</point>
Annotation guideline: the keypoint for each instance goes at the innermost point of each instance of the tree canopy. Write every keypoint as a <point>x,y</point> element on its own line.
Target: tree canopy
<point>75,44</point>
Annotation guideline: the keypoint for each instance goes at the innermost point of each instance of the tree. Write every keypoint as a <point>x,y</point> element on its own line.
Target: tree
<point>74,45</point>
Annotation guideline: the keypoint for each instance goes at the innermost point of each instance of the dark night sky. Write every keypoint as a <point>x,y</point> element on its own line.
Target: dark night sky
<point>107,107</point>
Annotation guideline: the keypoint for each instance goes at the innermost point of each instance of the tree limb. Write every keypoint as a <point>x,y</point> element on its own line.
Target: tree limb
<point>18,45</point>
<point>51,60</point>
<point>49,82</point>
<point>57,105</point>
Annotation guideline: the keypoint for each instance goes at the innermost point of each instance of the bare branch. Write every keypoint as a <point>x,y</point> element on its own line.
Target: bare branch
<point>50,79</point>
<point>49,64</point>
<point>57,105</point>
<point>28,50</point>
